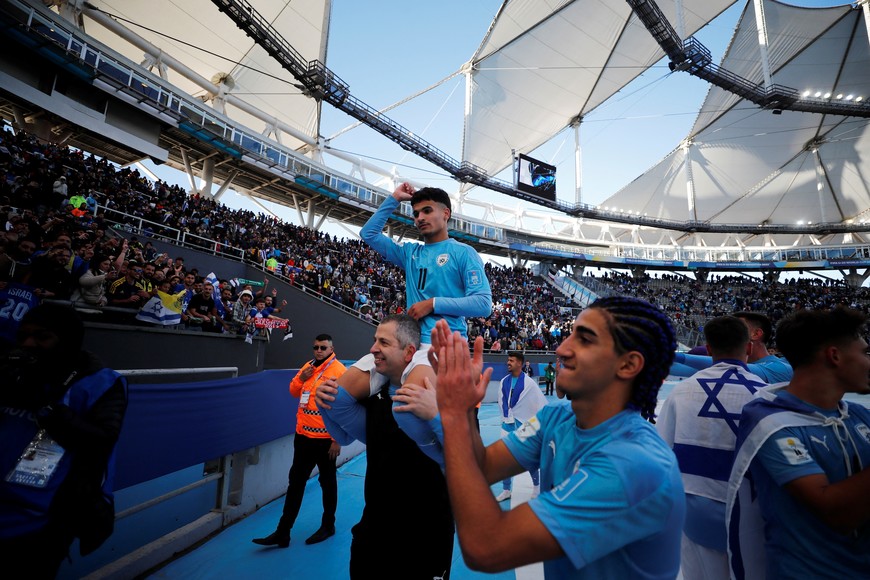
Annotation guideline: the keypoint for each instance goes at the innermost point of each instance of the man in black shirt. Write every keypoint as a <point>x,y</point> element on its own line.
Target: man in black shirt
<point>419,540</point>
<point>124,292</point>
<point>203,312</point>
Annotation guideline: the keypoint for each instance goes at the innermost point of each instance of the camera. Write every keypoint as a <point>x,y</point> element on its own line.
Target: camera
<point>20,384</point>
<point>16,365</point>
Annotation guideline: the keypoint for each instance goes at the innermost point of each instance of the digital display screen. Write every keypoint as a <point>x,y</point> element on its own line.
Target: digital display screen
<point>536,177</point>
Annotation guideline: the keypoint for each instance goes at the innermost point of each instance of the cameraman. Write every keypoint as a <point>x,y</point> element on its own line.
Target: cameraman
<point>60,417</point>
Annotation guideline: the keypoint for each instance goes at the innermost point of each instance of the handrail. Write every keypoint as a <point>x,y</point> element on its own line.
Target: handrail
<point>223,462</point>
<point>241,257</point>
<point>177,371</point>
<point>164,230</point>
<point>206,479</point>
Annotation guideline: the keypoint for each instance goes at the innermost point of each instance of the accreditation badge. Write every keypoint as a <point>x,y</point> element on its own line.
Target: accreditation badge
<point>38,462</point>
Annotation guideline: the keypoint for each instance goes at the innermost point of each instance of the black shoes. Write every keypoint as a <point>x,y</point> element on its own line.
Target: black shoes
<point>276,539</point>
<point>283,540</point>
<point>321,534</point>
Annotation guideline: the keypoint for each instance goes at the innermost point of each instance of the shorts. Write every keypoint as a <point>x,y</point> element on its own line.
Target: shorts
<point>377,380</point>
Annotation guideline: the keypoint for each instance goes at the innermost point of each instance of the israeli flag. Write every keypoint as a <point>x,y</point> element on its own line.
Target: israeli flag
<point>163,309</point>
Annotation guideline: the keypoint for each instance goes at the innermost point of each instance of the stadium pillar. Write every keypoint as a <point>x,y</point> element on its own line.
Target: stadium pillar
<point>865,6</point>
<point>853,279</point>
<point>578,160</point>
<point>309,218</point>
<point>207,176</point>
<point>320,220</point>
<point>225,185</point>
<point>71,11</point>
<point>188,168</point>
<point>761,26</point>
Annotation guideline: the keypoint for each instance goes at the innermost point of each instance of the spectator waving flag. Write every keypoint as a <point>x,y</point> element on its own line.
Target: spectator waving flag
<point>216,294</point>
<point>163,309</point>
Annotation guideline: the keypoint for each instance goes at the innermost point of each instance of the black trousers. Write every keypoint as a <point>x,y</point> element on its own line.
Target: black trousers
<point>392,557</point>
<point>308,453</point>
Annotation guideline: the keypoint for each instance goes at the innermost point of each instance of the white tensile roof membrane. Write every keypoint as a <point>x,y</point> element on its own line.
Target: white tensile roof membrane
<point>544,63</point>
<point>750,166</point>
<point>196,33</point>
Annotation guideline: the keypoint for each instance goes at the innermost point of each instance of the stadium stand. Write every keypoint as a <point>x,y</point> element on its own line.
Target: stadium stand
<point>129,206</point>
<point>100,205</point>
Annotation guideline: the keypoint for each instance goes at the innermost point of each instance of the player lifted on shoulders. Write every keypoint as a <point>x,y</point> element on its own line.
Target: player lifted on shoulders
<point>444,279</point>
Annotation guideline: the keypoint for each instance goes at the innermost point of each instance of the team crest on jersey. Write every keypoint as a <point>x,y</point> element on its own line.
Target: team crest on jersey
<point>793,450</point>
<point>472,278</point>
<point>442,259</point>
<point>864,431</point>
<point>528,429</point>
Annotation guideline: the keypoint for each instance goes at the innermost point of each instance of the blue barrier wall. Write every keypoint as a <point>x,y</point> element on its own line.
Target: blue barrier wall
<point>172,426</point>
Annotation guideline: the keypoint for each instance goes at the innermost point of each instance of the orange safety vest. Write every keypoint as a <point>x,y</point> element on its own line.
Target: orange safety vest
<point>308,419</point>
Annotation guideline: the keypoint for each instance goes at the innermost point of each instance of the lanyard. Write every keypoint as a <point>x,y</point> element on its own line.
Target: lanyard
<point>320,376</point>
<point>309,387</point>
<point>515,386</point>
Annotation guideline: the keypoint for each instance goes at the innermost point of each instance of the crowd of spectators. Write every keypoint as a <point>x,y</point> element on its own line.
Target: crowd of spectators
<point>690,303</point>
<point>56,243</point>
<point>526,314</point>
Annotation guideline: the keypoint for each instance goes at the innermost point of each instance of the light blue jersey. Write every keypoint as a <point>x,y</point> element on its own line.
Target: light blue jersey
<point>450,272</point>
<point>612,495</point>
<point>771,369</point>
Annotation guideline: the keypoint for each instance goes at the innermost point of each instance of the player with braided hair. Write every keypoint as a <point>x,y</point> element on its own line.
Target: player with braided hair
<point>612,502</point>
<point>638,325</point>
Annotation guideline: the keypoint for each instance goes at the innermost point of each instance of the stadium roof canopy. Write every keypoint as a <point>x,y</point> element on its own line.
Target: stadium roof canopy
<point>748,165</point>
<point>543,65</point>
<point>203,39</point>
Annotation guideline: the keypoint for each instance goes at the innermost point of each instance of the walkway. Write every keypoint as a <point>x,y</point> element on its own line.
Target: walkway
<point>230,553</point>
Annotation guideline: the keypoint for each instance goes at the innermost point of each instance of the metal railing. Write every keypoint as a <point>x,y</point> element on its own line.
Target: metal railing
<point>134,224</point>
<point>233,371</point>
<point>694,58</point>
<point>684,257</point>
